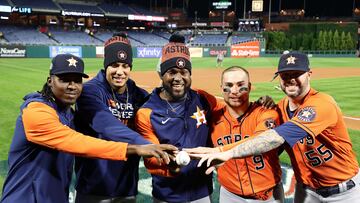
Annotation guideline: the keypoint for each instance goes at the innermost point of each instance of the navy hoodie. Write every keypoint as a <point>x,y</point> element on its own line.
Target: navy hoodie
<point>101,115</point>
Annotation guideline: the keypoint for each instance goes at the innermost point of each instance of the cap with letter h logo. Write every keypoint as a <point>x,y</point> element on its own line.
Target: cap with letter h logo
<point>67,63</point>
<point>293,61</point>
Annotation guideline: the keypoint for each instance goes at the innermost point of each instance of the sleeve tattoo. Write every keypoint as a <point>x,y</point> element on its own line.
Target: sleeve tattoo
<point>262,143</point>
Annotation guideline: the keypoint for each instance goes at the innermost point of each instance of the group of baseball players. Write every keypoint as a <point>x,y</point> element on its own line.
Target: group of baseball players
<point>114,122</point>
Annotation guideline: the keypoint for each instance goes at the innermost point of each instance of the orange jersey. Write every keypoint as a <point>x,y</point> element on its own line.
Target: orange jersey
<point>250,175</point>
<point>325,157</point>
<point>42,126</point>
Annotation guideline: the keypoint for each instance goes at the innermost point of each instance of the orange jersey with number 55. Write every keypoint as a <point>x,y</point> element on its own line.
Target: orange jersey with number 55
<point>324,157</point>
<point>253,175</point>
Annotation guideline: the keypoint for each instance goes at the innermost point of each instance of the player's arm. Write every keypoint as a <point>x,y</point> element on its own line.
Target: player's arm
<point>42,126</point>
<point>267,120</point>
<point>91,109</point>
<point>262,143</point>
<point>144,127</point>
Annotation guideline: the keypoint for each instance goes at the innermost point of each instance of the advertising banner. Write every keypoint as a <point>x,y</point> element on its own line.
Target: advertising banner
<point>246,49</point>
<point>100,52</point>
<point>214,51</point>
<point>75,50</point>
<point>196,52</point>
<point>148,52</point>
<point>12,51</point>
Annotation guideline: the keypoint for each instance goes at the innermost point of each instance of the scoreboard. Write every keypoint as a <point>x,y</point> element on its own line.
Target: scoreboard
<point>222,5</point>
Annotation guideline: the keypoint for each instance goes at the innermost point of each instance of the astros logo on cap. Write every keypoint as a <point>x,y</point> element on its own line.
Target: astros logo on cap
<point>180,63</point>
<point>72,62</point>
<point>122,55</point>
<point>291,60</point>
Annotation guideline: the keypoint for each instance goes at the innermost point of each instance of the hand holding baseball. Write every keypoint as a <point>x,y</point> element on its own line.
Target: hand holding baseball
<point>182,158</point>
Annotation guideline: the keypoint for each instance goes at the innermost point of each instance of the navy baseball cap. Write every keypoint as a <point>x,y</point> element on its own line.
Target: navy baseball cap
<point>67,63</point>
<point>293,61</point>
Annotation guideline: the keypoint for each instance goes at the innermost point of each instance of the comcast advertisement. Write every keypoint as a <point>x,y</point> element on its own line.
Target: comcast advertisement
<point>246,49</point>
<point>12,51</point>
<point>148,52</point>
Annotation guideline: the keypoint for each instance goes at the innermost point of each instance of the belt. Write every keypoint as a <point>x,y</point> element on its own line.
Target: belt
<point>332,190</point>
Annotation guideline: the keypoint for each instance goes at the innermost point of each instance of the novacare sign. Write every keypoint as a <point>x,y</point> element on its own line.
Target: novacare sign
<point>12,51</point>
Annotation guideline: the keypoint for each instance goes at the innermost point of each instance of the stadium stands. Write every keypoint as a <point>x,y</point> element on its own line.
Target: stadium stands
<point>210,40</point>
<point>73,37</point>
<point>80,8</point>
<point>115,9</point>
<point>25,35</point>
<point>4,3</point>
<point>164,35</point>
<point>146,38</point>
<point>238,39</point>
<point>103,35</point>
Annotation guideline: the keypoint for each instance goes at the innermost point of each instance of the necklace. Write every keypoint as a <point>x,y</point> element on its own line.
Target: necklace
<point>180,102</point>
<point>117,102</point>
<point>172,108</point>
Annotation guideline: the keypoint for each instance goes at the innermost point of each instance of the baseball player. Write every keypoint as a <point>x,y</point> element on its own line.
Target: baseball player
<point>44,142</point>
<point>317,141</point>
<point>251,178</point>
<point>107,105</point>
<point>219,59</point>
<point>179,115</point>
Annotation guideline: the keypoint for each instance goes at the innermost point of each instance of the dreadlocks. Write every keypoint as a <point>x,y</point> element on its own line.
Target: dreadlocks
<point>46,92</point>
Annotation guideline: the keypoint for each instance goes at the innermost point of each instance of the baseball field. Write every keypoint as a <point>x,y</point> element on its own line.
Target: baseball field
<point>340,77</point>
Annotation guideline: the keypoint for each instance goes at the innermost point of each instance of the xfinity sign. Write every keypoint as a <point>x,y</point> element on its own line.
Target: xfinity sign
<point>148,52</point>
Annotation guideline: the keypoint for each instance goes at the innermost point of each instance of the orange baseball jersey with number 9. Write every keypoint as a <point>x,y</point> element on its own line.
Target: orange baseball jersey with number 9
<point>253,176</point>
<point>325,157</point>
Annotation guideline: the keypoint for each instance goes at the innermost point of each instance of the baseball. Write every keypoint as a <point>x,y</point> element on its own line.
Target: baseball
<point>182,158</point>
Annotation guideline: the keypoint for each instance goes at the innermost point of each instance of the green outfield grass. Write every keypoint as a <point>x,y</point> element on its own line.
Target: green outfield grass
<point>21,76</point>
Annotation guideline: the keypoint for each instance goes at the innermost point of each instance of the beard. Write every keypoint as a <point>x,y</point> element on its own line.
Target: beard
<point>176,94</point>
<point>293,90</point>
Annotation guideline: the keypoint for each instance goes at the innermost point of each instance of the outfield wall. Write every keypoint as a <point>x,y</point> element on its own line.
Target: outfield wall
<point>242,50</point>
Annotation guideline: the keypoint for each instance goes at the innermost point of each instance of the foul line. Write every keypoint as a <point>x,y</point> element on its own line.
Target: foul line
<point>347,117</point>
<point>352,118</point>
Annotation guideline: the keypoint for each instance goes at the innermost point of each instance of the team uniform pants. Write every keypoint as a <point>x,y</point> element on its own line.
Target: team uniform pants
<point>229,197</point>
<point>81,198</point>
<point>206,199</point>
<point>306,195</point>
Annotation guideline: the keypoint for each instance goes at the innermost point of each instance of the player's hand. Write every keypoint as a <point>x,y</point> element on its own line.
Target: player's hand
<point>159,151</point>
<point>202,150</point>
<point>213,160</point>
<point>173,167</point>
<point>267,102</point>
